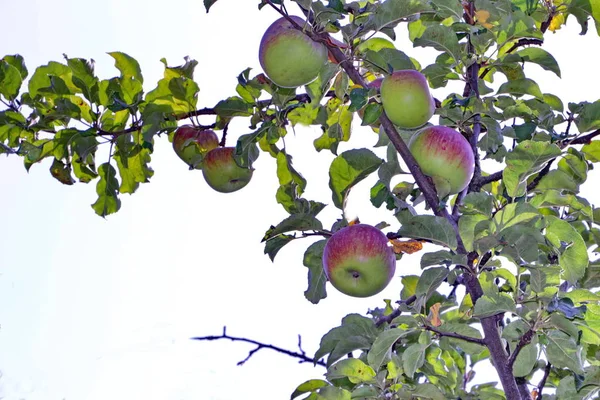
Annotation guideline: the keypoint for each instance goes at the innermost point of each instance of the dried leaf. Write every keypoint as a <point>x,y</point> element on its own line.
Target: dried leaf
<point>407,246</point>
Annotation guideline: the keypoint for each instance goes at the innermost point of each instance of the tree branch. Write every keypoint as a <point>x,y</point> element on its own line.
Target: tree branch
<point>540,176</point>
<point>7,149</point>
<point>481,181</point>
<point>524,341</point>
<point>301,355</point>
<point>585,139</point>
<point>544,379</point>
<point>454,335</point>
<point>389,318</point>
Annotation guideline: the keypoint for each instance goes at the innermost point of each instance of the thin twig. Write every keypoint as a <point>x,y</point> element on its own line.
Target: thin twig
<point>524,341</point>
<point>454,335</point>
<point>390,317</point>
<point>301,355</point>
<point>7,149</point>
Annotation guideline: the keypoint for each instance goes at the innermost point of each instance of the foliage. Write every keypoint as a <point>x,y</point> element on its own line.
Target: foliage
<point>519,240</point>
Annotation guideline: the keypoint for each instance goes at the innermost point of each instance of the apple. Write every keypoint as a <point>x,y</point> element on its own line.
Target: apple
<point>288,56</point>
<point>192,143</point>
<point>222,173</point>
<point>406,99</point>
<point>358,261</point>
<point>444,155</point>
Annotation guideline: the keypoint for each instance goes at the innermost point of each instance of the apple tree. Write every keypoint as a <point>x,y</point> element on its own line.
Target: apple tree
<point>519,240</point>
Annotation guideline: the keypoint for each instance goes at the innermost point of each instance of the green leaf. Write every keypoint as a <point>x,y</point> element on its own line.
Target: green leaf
<point>389,13</point>
<point>309,386</point>
<point>17,61</point>
<point>436,229</point>
<point>356,332</point>
<point>274,244</point>
<point>430,280</point>
<point>381,349</point>
<point>428,391</point>
<point>41,78</point>
<point>477,203</point>
<point>372,113</point>
<point>208,4</point>
<point>61,172</point>
<point>526,159</point>
<point>10,80</point>
<point>441,38</point>
<point>107,189</point>
<point>334,393</point>
<point>352,368</point>
<point>573,257</point>
<point>537,56</point>
<point>296,222</point>
<point>438,75</point>
<point>486,306</point>
<point>348,169</point>
<point>313,260</point>
<point>589,117</point>
<point>233,107</point>
<point>519,87</point>
<point>133,167</point>
<point>413,358</point>
<point>127,65</point>
<point>563,352</point>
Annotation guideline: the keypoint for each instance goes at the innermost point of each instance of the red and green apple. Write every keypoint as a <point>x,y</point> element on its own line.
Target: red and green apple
<point>222,173</point>
<point>406,99</point>
<point>192,143</point>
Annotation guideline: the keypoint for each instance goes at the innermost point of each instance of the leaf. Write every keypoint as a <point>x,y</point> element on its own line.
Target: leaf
<point>348,169</point>
<point>10,80</point>
<point>435,315</point>
<point>233,107</point>
<point>526,159</point>
<point>41,77</point>
<point>371,114</point>
<point>296,222</point>
<point>563,352</point>
<point>356,332</point>
<point>389,13</point>
<point>537,56</point>
<point>273,245</point>
<point>589,117</point>
<point>133,167</point>
<point>313,260</point>
<point>128,66</point>
<point>208,4</point>
<point>309,386</point>
<point>486,306</point>
<point>406,246</point>
<point>441,38</point>
<point>436,229</point>
<point>573,257</point>
<point>333,393</point>
<point>61,172</point>
<point>428,391</point>
<point>352,368</point>
<point>430,280</point>
<point>107,189</point>
<point>381,349</point>
<point>413,358</point>
<point>519,87</point>
<point>438,75</point>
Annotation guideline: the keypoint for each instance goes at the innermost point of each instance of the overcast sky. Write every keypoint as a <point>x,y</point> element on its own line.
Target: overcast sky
<point>96,309</point>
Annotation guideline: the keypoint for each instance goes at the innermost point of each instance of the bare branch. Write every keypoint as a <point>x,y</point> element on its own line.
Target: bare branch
<point>301,355</point>
<point>7,149</point>
<point>585,139</point>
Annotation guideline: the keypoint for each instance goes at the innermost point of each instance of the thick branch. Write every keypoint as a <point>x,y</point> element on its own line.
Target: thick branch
<point>585,139</point>
<point>481,181</point>
<point>301,355</point>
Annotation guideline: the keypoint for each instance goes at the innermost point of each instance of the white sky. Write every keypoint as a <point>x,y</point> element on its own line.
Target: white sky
<point>94,309</point>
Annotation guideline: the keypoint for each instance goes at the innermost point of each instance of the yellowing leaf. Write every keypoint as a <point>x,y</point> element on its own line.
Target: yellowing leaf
<point>354,222</point>
<point>557,22</point>
<point>482,16</point>
<point>434,318</point>
<point>408,246</point>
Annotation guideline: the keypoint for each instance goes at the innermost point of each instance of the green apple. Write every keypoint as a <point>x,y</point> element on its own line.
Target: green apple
<point>358,261</point>
<point>444,155</point>
<point>288,56</point>
<point>222,173</point>
<point>406,99</point>
<point>192,143</point>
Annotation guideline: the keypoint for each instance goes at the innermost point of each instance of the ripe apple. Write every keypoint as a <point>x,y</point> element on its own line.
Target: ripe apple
<point>406,99</point>
<point>446,156</point>
<point>288,56</point>
<point>358,261</point>
<point>191,144</point>
<point>222,173</point>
